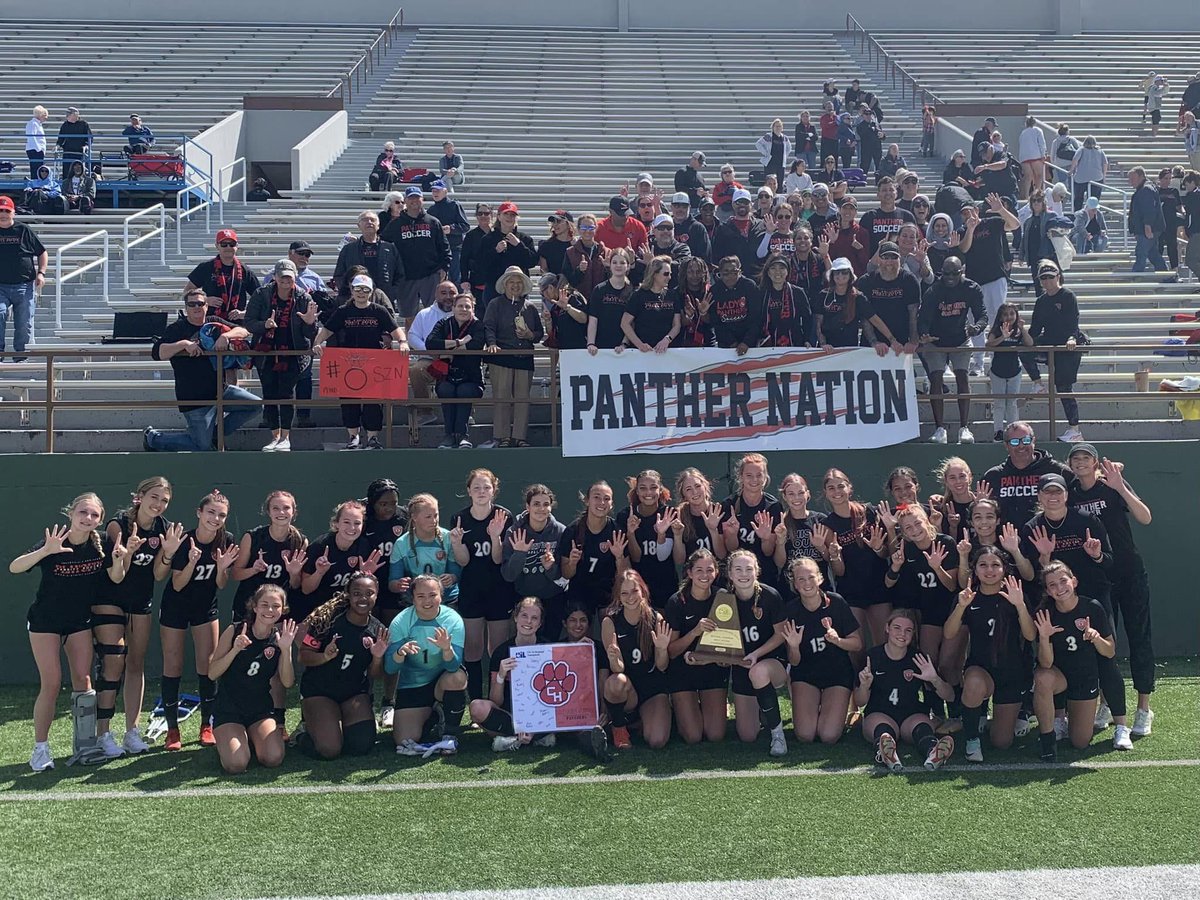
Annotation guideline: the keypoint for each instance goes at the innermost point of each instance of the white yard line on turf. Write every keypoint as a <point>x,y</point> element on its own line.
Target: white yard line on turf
<point>1142,882</point>
<point>51,796</point>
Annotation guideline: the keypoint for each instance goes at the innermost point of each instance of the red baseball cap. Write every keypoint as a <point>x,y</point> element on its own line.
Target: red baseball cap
<point>227,234</point>
<point>7,203</point>
<point>507,206</point>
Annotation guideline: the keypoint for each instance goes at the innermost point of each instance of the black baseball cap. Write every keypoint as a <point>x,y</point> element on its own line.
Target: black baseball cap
<point>889,248</point>
<point>297,246</point>
<point>619,205</point>
<point>1051,480</point>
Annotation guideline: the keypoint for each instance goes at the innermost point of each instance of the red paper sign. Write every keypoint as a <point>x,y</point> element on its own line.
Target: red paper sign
<point>364,374</point>
<point>554,687</point>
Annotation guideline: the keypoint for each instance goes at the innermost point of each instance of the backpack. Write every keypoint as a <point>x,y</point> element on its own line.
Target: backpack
<point>1067,149</point>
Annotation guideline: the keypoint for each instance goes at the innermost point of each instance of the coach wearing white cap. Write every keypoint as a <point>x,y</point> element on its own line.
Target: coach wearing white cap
<point>687,229</point>
<point>740,236</point>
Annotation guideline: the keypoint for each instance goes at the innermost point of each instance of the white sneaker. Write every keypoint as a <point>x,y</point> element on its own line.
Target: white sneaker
<point>965,436</point>
<point>447,746</point>
<point>1071,436</point>
<point>386,715</point>
<point>546,740</point>
<point>410,748</point>
<point>1121,739</point>
<point>352,444</point>
<point>974,750</point>
<point>1039,387</point>
<point>1143,719</point>
<point>778,741</point>
<point>133,742</point>
<point>938,437</point>
<point>42,758</point>
<point>1062,729</point>
<point>1023,726</point>
<point>271,447</point>
<point>109,745</point>
<point>504,743</point>
<point>283,445</point>
<point>1103,716</point>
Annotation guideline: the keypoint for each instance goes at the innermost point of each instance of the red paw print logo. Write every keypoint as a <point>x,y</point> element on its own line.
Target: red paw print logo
<point>555,683</point>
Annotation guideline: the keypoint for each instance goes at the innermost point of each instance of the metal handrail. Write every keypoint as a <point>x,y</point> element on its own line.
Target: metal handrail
<point>854,28</point>
<point>60,278</point>
<point>365,64</point>
<point>160,232</point>
<point>183,211</point>
<point>222,186</point>
<point>50,404</point>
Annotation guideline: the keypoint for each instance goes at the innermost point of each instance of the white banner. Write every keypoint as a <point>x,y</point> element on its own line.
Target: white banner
<point>707,399</point>
<point>554,687</point>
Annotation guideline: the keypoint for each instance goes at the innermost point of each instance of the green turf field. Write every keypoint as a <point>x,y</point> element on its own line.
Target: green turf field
<point>482,820</point>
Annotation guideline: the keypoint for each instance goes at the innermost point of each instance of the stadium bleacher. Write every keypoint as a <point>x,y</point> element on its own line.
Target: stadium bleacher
<point>555,134</point>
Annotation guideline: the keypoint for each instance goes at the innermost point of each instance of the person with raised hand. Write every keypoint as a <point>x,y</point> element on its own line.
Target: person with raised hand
<point>199,566</point>
<point>636,640</point>
<point>530,558</point>
<point>592,550</point>
<point>697,523</point>
<point>895,687</point>
<point>820,631</point>
<point>647,521</point>
<point>245,661</point>
<point>986,531</point>
<point>751,513</point>
<point>424,549</point>
<point>485,599</point>
<point>72,559</point>
<point>1074,634</point>
<point>425,646</point>
<point>796,531</point>
<point>698,690</point>
<point>342,653</point>
<point>992,611</point>
<point>334,557</point>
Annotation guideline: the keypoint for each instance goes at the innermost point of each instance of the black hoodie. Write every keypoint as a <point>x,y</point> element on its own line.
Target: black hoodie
<point>421,243</point>
<point>1016,490</point>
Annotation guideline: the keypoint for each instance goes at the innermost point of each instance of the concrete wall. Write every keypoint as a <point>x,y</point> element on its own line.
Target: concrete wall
<point>226,141</point>
<point>314,154</point>
<point>272,133</point>
<point>1164,474</point>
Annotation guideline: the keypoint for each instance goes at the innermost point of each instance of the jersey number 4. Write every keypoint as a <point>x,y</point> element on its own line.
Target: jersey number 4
<point>894,697</point>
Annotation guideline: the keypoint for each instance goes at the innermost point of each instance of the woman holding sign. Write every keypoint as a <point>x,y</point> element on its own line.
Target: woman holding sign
<point>820,632</point>
<point>636,639</point>
<point>494,715</point>
<point>698,692</point>
<point>368,326</point>
<point>425,646</point>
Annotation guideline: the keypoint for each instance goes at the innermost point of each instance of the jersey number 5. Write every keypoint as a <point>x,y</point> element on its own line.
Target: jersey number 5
<point>346,661</point>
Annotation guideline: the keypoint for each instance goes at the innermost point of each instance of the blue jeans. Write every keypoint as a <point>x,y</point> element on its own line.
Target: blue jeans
<point>201,424</point>
<point>1086,243</point>
<point>810,159</point>
<point>456,415</point>
<point>1147,248</point>
<point>18,297</point>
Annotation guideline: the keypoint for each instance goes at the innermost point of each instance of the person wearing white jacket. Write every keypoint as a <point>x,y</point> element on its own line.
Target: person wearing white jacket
<point>774,150</point>
<point>1032,154</point>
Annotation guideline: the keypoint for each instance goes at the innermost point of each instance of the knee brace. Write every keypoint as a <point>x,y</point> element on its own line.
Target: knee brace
<point>102,650</point>
<point>358,739</point>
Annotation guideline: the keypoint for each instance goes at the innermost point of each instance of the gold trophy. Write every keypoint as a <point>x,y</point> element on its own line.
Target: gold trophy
<point>724,643</point>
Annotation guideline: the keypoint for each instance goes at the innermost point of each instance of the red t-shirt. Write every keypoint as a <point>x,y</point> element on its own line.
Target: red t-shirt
<point>632,236</point>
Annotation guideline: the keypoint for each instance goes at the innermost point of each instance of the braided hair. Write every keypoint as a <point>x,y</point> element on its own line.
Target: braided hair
<point>70,508</point>
<point>321,618</point>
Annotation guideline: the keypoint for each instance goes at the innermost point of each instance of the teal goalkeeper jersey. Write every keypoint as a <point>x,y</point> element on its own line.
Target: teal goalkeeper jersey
<point>428,664</point>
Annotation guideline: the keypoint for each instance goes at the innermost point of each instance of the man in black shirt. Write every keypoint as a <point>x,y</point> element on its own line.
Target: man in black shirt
<point>982,136</point>
<point>688,180</point>
<point>23,262</point>
<point>883,224</point>
<point>740,236</point>
<point>944,328</point>
<point>74,136</point>
<point>197,379</point>
<point>1191,222</point>
<point>823,212</point>
<point>985,249</point>
<point>424,254</point>
<point>688,230</point>
<point>1014,483</point>
<point>224,279</point>
<point>895,296</point>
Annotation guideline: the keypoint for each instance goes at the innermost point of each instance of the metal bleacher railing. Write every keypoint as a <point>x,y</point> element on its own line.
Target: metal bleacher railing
<point>893,72</point>
<point>54,367</point>
<point>357,76</point>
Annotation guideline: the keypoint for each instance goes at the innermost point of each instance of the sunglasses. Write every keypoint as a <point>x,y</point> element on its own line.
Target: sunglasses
<point>1017,442</point>
<point>196,304</point>
<point>363,288</point>
<point>587,227</point>
<point>227,244</point>
<point>305,253</point>
<point>841,272</point>
<point>664,227</point>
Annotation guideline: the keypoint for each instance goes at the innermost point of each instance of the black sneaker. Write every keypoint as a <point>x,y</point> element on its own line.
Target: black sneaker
<point>596,742</point>
<point>373,444</point>
<point>998,437</point>
<point>146,433</point>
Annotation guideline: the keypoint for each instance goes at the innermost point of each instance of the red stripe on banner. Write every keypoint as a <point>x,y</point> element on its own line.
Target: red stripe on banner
<point>575,667</point>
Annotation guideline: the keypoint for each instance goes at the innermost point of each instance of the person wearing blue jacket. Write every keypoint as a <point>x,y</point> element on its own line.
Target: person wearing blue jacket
<point>138,138</point>
<point>425,650</point>
<point>43,194</point>
<point>454,224</point>
<point>1146,222</point>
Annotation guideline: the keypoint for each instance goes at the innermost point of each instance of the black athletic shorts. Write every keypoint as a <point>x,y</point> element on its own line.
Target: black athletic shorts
<point>232,713</point>
<point>648,686</point>
<point>45,621</point>
<point>684,678</point>
<point>174,613</point>
<point>141,606</point>
<point>1080,686</point>
<point>1011,684</point>
<point>420,697</point>
<point>740,678</point>
<point>826,676</point>
<point>339,697</point>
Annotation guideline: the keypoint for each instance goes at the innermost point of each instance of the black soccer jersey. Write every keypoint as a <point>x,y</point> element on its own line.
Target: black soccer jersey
<point>481,576</point>
<point>347,674</point>
<point>759,621</point>
<point>659,574</point>
<point>276,573</point>
<point>200,593</point>
<point>862,584</point>
<point>639,663</point>
<point>597,569</point>
<point>896,690</point>
<point>136,591</point>
<point>1076,658</point>
<point>381,535</point>
<point>246,684</point>
<point>920,585</point>
<point>820,659</point>
<point>995,629</point>
<point>695,533</point>
<point>496,657</point>
<point>342,564</point>
<point>736,507</point>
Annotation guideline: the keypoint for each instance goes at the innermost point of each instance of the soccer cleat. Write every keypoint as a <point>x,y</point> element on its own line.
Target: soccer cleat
<point>109,745</point>
<point>386,715</point>
<point>133,742</point>
<point>42,759</point>
<point>352,444</point>
<point>447,746</point>
<point>940,753</point>
<point>974,750</point>
<point>1071,436</point>
<point>546,740</point>
<point>778,741</point>
<point>294,738</point>
<point>939,436</point>
<point>887,756</point>
<point>284,445</point>
<point>1050,755</point>
<point>503,743</point>
<point>621,737</point>
<point>173,741</point>
<point>598,744</point>
<point>965,436</point>
<point>1023,726</point>
<point>1103,716</point>
<point>1143,720</point>
<point>1121,739</point>
<point>1062,729</point>
<point>410,748</point>
<point>206,736</point>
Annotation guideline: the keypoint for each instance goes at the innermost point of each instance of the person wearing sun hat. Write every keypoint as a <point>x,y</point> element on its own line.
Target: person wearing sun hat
<point>511,322</point>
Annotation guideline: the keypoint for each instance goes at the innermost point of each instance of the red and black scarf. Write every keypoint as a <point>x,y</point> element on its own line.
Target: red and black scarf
<point>229,289</point>
<point>280,337</point>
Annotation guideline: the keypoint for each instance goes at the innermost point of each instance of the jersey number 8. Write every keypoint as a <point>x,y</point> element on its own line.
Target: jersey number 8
<point>253,670</point>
